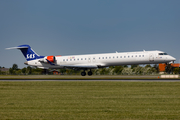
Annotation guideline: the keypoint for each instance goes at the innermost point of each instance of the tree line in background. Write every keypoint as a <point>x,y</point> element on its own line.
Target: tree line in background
<point>14,70</point>
<point>112,70</point>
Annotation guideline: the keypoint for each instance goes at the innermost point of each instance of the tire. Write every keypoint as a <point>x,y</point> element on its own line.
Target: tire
<point>83,73</point>
<point>89,73</point>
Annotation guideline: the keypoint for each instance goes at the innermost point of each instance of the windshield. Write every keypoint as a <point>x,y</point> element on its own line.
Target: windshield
<point>163,54</point>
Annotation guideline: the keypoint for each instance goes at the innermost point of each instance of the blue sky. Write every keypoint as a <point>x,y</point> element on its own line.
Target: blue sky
<point>56,27</point>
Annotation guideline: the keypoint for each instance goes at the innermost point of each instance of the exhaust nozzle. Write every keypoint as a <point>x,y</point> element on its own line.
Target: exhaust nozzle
<point>26,63</point>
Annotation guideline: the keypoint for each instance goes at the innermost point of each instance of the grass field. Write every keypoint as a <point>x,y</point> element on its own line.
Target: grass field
<point>91,100</point>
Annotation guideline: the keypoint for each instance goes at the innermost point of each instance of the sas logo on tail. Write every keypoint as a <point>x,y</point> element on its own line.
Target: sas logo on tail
<point>30,56</point>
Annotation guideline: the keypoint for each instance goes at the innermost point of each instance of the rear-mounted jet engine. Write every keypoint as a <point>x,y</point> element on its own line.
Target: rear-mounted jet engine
<point>48,59</point>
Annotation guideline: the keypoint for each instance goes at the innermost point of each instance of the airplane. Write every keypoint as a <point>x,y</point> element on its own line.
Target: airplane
<point>92,61</point>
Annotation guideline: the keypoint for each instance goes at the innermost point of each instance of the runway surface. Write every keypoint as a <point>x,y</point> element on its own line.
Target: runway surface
<point>125,80</point>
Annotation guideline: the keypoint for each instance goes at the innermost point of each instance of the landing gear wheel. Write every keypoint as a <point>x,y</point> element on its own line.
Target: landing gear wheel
<point>83,73</point>
<point>89,73</point>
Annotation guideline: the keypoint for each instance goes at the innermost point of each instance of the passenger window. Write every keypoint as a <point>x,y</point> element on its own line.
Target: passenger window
<point>78,59</point>
<point>121,57</point>
<point>109,57</point>
<point>102,57</point>
<point>136,55</point>
<point>99,57</point>
<point>106,57</point>
<point>124,56</point>
<point>66,59</point>
<point>117,56</point>
<point>139,55</point>
<point>132,55</point>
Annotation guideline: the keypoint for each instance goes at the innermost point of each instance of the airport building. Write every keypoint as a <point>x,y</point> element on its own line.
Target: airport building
<point>168,68</point>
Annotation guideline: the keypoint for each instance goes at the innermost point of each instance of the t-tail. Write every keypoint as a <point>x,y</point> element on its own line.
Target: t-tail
<point>28,52</point>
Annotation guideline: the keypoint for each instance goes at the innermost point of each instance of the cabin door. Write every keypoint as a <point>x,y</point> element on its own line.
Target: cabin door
<point>151,57</point>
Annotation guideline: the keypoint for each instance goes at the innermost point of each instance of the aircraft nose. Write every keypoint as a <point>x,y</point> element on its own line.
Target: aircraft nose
<point>173,59</point>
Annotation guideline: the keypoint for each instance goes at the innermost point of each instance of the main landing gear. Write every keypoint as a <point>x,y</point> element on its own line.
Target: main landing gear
<point>84,73</point>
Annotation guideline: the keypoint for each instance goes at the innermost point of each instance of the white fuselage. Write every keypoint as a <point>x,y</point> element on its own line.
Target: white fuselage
<point>104,60</point>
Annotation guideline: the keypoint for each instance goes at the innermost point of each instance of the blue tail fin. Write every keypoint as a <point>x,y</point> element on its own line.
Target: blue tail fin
<point>28,52</point>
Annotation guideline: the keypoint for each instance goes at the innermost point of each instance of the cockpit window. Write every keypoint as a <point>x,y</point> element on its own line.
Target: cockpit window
<point>163,54</point>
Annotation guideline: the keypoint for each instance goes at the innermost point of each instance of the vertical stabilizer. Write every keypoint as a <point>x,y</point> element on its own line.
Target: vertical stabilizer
<point>28,52</point>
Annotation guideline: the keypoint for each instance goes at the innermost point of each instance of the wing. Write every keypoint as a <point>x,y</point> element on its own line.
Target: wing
<point>82,66</point>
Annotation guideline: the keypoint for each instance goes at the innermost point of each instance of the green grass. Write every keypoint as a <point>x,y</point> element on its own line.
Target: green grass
<point>91,100</point>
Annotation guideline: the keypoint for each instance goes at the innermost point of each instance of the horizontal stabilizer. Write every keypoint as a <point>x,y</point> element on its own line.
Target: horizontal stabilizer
<point>16,47</point>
